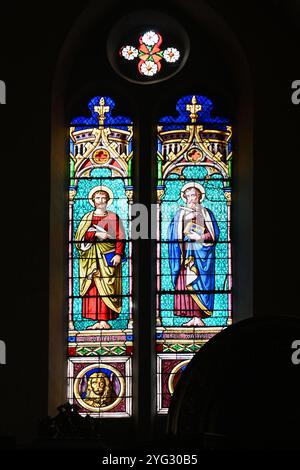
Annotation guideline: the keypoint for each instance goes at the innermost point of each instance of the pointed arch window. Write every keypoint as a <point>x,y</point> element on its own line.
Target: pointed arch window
<point>194,268</point>
<point>193,249</point>
<point>100,338</point>
<point>191,147</point>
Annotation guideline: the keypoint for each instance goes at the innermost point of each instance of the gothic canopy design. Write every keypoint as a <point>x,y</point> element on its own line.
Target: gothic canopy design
<point>100,339</point>
<point>193,245</point>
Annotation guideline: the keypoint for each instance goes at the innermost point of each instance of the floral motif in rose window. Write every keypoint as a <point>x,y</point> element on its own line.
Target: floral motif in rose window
<point>149,53</point>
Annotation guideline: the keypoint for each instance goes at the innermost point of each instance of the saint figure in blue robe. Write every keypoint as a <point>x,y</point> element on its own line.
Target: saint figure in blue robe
<point>193,234</point>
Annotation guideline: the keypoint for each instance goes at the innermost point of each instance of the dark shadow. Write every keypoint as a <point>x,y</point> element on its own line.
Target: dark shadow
<point>241,389</point>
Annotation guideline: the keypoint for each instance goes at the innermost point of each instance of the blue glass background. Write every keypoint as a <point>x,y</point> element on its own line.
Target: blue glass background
<point>204,115</point>
<point>93,121</point>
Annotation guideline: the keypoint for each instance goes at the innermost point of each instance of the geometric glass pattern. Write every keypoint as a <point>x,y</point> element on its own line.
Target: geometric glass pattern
<point>100,338</point>
<point>149,53</point>
<point>194,265</point>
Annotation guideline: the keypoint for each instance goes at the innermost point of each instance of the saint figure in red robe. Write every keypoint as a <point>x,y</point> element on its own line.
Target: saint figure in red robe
<point>100,240</point>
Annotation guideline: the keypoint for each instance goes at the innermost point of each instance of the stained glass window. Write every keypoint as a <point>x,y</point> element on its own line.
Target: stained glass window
<point>193,236</point>
<point>100,338</point>
<point>149,53</point>
<point>147,47</point>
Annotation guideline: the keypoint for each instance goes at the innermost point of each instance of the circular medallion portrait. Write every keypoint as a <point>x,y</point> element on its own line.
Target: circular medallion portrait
<point>176,374</point>
<point>99,388</point>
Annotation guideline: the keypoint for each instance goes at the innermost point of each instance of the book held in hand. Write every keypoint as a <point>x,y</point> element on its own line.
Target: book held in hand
<point>191,227</point>
<point>109,256</point>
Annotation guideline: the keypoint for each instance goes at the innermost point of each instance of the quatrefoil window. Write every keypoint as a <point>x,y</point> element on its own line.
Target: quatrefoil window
<point>147,47</point>
<point>149,53</point>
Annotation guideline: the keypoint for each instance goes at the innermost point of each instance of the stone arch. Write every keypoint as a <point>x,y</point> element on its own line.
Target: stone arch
<point>232,58</point>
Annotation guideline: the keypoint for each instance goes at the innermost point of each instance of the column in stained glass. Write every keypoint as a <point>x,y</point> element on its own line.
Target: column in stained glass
<point>193,249</point>
<point>100,269</point>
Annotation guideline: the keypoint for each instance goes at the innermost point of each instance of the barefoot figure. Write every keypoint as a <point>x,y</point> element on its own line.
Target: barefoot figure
<point>100,240</point>
<point>193,234</point>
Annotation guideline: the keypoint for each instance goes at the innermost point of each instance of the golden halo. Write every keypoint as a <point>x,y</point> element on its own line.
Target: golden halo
<point>101,188</point>
<point>192,185</point>
<point>105,407</point>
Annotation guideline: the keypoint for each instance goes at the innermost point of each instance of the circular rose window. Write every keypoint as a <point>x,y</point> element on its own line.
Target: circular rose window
<point>147,47</point>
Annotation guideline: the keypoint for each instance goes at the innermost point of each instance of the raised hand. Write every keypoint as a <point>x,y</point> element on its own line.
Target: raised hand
<point>190,215</point>
<point>101,235</point>
<point>195,236</point>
